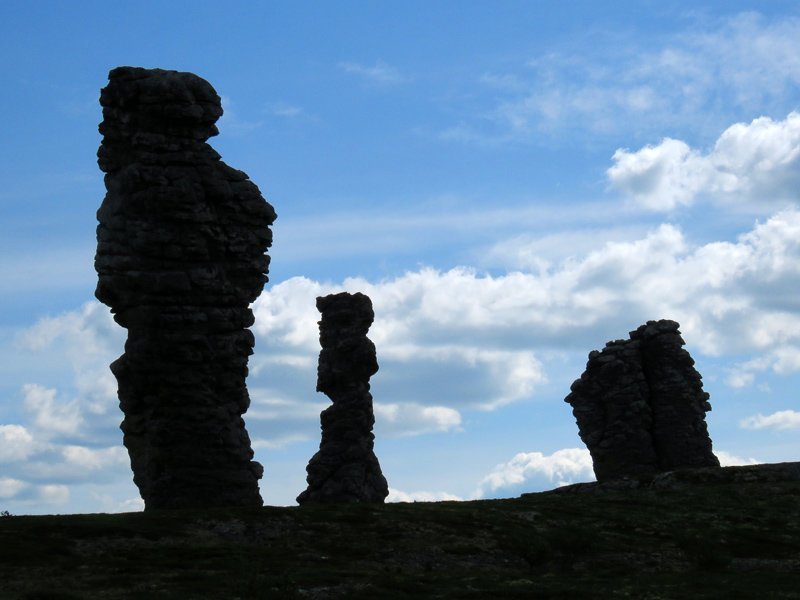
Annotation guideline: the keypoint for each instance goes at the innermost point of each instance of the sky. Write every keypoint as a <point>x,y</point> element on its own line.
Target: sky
<point>513,184</point>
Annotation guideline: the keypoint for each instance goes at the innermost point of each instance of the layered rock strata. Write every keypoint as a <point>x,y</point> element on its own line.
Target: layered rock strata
<point>181,245</point>
<point>640,405</point>
<point>345,469</point>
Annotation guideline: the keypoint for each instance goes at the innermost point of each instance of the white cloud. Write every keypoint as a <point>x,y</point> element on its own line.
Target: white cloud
<point>400,496</point>
<point>756,163</point>
<point>739,379</point>
<point>49,414</point>
<point>717,71</point>
<point>529,471</point>
<point>16,443</point>
<point>287,314</point>
<point>784,359</point>
<point>90,459</point>
<point>660,177</point>
<point>90,328</point>
<point>417,329</point>
<point>414,419</point>
<point>54,494</point>
<point>730,460</point>
<point>130,505</point>
<point>28,495</point>
<point>781,420</point>
<point>476,340</point>
<point>88,340</point>
<point>540,253</point>
<point>449,342</point>
<point>379,73</point>
<point>11,487</point>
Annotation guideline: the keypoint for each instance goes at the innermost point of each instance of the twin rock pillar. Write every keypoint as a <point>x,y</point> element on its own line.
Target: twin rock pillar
<point>180,256</point>
<point>345,469</point>
<point>640,406</point>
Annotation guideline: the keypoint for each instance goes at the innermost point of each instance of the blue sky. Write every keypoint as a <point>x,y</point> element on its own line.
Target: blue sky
<point>513,183</point>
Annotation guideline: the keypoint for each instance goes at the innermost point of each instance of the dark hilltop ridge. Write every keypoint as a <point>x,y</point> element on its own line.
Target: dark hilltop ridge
<point>728,533</point>
<point>181,255</point>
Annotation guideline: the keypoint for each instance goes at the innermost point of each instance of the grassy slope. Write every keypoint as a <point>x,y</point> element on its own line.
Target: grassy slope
<point>723,540</point>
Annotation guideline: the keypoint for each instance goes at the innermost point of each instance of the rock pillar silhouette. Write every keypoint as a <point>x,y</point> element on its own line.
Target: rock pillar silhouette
<point>181,245</point>
<point>640,405</point>
<point>345,469</point>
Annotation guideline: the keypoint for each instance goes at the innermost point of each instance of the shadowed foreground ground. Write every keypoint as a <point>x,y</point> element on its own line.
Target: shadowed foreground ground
<point>718,538</point>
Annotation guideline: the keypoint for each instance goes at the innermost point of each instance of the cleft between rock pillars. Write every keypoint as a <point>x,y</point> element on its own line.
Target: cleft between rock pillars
<point>181,246</point>
<point>345,469</point>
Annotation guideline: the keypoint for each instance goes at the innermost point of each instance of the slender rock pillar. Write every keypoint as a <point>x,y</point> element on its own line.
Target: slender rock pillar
<point>640,405</point>
<point>345,469</point>
<point>180,256</point>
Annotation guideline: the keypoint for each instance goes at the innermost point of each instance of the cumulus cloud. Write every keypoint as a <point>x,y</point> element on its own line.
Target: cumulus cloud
<point>94,459</point>
<point>726,459</point>
<point>16,443</point>
<point>756,163</point>
<point>660,177</point>
<point>729,296</point>
<point>783,359</point>
<point>781,420</point>
<point>417,329</point>
<point>50,414</point>
<point>11,487</point>
<point>91,327</point>
<point>129,505</point>
<point>26,494</point>
<point>69,433</point>
<point>87,340</point>
<point>448,342</point>
<point>738,378</point>
<point>54,494</point>
<point>476,341</point>
<point>532,471</point>
<point>400,496</point>
<point>414,419</point>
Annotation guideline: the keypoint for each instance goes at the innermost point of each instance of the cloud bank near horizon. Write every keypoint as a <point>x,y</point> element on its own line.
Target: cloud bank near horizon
<point>475,342</point>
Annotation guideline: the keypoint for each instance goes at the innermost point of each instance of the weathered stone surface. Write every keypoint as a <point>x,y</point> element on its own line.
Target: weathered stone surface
<point>640,405</point>
<point>180,256</point>
<point>345,469</point>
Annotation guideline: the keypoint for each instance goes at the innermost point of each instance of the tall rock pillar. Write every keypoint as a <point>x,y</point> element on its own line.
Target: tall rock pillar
<point>181,245</point>
<point>345,469</point>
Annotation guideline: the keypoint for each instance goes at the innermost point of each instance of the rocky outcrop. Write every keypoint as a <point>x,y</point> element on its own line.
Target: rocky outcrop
<point>345,469</point>
<point>180,256</point>
<point>640,405</point>
<point>768,473</point>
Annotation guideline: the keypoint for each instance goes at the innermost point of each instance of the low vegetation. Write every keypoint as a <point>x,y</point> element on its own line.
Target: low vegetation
<point>723,540</point>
